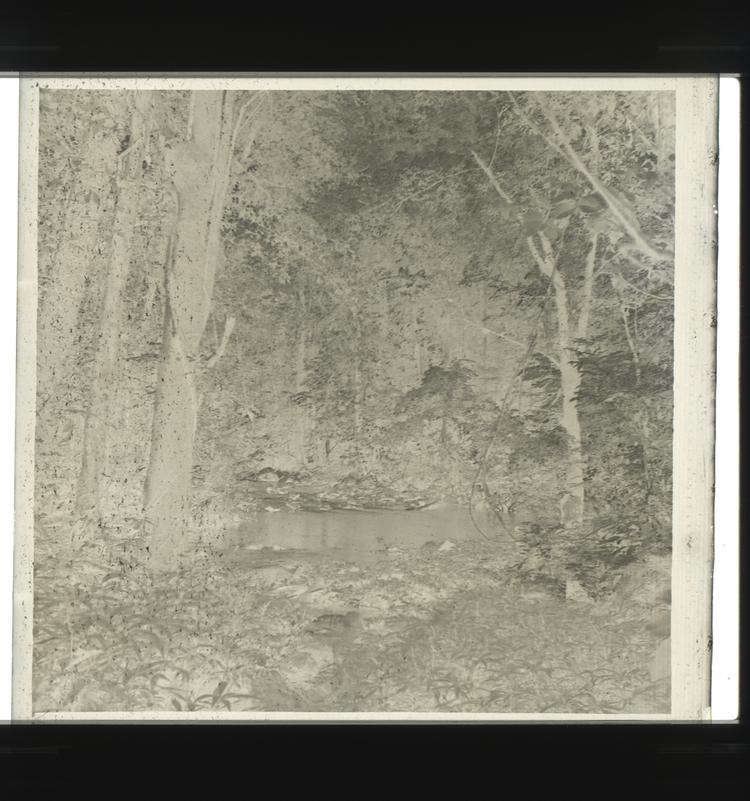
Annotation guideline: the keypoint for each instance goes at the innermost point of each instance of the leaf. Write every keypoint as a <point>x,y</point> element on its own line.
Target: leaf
<point>563,208</point>
<point>176,705</point>
<point>219,691</point>
<point>592,203</point>
<point>154,680</point>
<point>552,232</point>
<point>565,192</point>
<point>532,222</point>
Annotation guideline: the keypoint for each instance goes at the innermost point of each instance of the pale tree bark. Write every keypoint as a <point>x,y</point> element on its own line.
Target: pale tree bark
<point>200,169</point>
<point>483,312</point>
<point>642,415</point>
<point>663,117</point>
<point>623,214</point>
<point>572,501</point>
<point>300,378</point>
<point>418,365</point>
<point>357,379</point>
<point>587,293</point>
<point>105,380</point>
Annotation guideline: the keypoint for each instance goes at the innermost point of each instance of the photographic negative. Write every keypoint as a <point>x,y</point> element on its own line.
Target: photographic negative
<point>367,398</point>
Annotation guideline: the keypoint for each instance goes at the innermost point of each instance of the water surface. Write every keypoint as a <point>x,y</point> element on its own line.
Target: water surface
<point>354,535</point>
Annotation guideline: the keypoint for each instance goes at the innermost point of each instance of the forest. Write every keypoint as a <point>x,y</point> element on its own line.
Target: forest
<point>354,401</point>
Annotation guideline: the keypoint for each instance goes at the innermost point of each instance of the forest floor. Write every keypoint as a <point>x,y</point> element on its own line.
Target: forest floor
<point>447,627</point>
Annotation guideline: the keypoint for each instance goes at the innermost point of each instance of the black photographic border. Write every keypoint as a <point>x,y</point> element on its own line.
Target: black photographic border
<point>463,760</point>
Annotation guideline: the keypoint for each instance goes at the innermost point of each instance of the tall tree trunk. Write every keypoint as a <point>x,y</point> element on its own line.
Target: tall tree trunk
<point>587,294</point>
<point>356,376</point>
<point>418,365</point>
<point>357,380</point>
<point>172,440</point>
<point>663,116</point>
<point>104,382</point>
<point>483,312</point>
<point>571,504</point>
<point>200,168</point>
<point>642,413</point>
<point>572,501</point>
<point>300,379</point>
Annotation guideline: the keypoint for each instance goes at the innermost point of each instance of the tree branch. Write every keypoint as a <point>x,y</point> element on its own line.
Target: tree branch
<point>499,334</point>
<point>534,127</point>
<point>628,336</point>
<point>588,287</point>
<point>497,137</point>
<point>228,328</point>
<point>640,133</point>
<point>423,190</point>
<point>493,179</point>
<point>661,298</point>
<point>594,140</point>
<point>575,161</point>
<point>260,100</point>
<point>545,263</point>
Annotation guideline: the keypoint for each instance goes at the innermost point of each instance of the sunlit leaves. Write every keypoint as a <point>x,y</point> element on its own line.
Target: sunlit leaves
<point>591,203</point>
<point>563,208</point>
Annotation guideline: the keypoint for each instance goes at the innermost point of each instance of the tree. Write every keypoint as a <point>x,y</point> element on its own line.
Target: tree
<point>76,163</point>
<point>572,504</point>
<point>576,191</point>
<point>199,170</point>
<point>127,183</point>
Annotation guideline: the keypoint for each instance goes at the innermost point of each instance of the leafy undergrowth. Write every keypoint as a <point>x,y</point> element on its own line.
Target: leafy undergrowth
<point>446,629</point>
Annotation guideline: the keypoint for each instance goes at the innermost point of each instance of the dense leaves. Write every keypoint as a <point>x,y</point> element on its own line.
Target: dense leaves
<point>421,296</point>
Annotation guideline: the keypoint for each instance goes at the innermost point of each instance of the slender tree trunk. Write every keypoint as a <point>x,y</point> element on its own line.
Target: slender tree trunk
<point>483,311</point>
<point>572,503</point>
<point>300,379</point>
<point>105,380</point>
<point>172,439</point>
<point>663,112</point>
<point>200,168</point>
<point>642,414</point>
<point>587,293</point>
<point>418,366</point>
<point>357,381</point>
<point>385,323</point>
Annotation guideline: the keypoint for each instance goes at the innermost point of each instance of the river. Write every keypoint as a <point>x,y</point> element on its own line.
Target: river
<point>356,536</point>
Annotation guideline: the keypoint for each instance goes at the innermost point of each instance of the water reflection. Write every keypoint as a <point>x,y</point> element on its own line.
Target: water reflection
<point>357,536</point>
